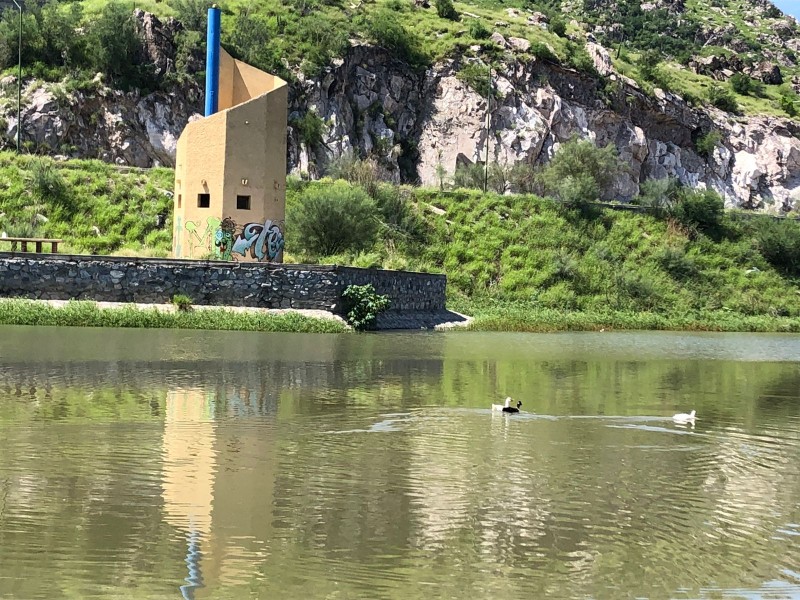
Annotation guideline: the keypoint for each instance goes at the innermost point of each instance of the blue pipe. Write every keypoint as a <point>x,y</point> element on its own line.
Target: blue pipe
<point>212,61</point>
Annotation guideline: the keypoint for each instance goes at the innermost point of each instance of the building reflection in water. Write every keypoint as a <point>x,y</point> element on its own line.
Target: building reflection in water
<point>218,479</point>
<point>189,469</point>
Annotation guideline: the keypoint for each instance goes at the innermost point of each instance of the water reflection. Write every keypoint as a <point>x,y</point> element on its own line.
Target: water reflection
<point>370,466</point>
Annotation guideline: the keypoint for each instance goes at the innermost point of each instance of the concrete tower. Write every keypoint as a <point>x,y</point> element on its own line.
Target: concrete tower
<point>230,172</point>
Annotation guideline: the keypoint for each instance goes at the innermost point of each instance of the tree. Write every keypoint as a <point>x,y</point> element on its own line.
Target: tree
<point>580,172</point>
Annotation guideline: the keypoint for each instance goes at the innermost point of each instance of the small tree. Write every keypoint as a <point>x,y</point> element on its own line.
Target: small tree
<point>446,10</point>
<point>580,172</point>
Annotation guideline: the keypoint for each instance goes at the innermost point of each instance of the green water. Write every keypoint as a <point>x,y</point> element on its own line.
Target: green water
<point>169,464</point>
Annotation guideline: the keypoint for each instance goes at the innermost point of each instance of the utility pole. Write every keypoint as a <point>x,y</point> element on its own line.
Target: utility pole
<point>488,119</point>
<point>19,75</point>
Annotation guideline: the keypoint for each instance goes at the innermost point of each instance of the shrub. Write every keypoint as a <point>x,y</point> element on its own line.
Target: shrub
<point>779,242</point>
<point>707,143</point>
<point>446,10</point>
<point>182,302</point>
<point>386,30</point>
<point>333,218</point>
<point>192,14</point>
<point>470,176</point>
<point>47,184</point>
<point>117,49</point>
<point>723,99</point>
<point>365,173</point>
<point>675,262</point>
<point>543,52</point>
<point>580,172</point>
<point>744,85</point>
<point>558,26</point>
<point>475,75</point>
<point>309,127</point>
<point>478,30</point>
<point>398,217</point>
<point>702,210</point>
<point>660,196</point>
<point>362,305</point>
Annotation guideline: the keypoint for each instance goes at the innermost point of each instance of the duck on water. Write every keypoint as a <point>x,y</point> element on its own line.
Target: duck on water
<point>507,408</point>
<point>684,418</point>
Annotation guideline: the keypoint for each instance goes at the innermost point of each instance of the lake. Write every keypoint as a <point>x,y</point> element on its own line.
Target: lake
<point>186,464</point>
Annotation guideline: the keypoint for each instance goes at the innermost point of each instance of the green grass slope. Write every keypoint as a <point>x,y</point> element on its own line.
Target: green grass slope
<point>515,261</point>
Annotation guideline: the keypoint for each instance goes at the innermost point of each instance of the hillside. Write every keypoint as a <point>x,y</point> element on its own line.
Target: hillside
<point>516,261</point>
<point>702,92</point>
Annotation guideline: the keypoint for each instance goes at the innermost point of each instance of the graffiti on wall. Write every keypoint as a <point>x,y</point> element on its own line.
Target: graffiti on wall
<point>199,240</point>
<point>262,241</point>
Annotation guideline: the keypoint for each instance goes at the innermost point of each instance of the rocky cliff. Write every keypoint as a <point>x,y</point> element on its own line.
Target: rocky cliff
<point>418,123</point>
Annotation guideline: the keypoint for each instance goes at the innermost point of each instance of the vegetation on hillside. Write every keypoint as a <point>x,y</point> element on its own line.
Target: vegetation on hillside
<point>75,39</point>
<point>95,207</point>
<point>678,261</point>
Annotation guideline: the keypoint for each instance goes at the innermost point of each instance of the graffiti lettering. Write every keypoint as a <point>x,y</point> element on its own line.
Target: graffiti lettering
<point>264,242</point>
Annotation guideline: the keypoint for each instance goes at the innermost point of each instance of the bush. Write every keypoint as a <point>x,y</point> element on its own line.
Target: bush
<point>446,10</point>
<point>558,26</point>
<point>47,184</point>
<point>675,262</point>
<point>744,85</point>
<point>478,30</point>
<point>362,306</point>
<point>364,173</point>
<point>332,219</point>
<point>309,128</point>
<point>182,302</point>
<point>707,143</point>
<point>723,99</point>
<point>702,210</point>
<point>660,196</point>
<point>779,242</point>
<point>470,176</point>
<point>384,28</point>
<point>475,75</point>
<point>580,172</point>
<point>399,219</point>
<point>117,49</point>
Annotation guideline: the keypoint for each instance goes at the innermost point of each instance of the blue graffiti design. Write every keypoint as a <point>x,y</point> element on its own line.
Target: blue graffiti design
<point>264,242</point>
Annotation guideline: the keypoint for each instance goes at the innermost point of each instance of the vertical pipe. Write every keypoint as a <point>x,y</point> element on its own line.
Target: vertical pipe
<point>212,61</point>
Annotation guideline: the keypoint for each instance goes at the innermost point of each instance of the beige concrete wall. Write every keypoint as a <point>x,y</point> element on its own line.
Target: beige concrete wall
<point>199,168</point>
<point>260,172</point>
<point>240,151</point>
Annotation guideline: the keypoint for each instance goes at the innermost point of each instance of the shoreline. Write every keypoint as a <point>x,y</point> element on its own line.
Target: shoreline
<point>500,318</point>
<point>91,313</point>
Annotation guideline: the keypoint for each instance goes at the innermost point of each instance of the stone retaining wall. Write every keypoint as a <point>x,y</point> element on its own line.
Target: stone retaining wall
<point>121,279</point>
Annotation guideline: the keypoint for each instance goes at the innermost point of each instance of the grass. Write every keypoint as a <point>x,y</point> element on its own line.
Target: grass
<point>93,206</point>
<point>88,314</point>
<point>516,262</point>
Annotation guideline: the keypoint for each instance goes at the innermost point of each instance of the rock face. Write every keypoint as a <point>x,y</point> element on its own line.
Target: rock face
<point>420,124</point>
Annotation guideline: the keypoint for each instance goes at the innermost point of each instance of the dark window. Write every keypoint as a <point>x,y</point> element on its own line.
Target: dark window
<point>243,202</point>
<point>179,200</point>
<point>203,200</point>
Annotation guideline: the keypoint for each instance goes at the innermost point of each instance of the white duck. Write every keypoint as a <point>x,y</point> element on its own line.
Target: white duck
<point>684,418</point>
<point>500,407</point>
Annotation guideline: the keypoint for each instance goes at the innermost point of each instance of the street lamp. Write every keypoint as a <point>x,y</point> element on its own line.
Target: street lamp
<point>19,75</point>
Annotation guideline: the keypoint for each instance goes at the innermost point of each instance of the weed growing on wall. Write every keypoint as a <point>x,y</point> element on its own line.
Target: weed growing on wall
<point>363,305</point>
